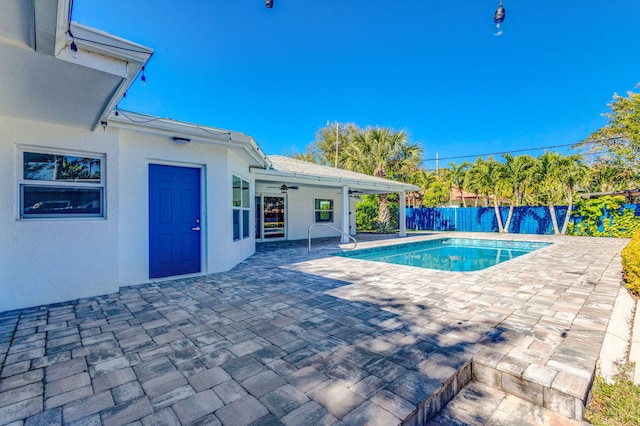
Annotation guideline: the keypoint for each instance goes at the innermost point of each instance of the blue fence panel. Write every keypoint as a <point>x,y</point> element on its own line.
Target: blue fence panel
<point>525,220</point>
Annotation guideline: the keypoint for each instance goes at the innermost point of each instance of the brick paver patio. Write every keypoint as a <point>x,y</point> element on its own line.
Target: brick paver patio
<point>298,339</point>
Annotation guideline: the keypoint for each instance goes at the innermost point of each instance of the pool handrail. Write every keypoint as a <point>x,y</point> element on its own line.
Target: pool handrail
<point>355,242</point>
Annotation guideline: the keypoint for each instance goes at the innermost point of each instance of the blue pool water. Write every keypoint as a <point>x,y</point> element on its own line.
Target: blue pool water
<point>448,254</point>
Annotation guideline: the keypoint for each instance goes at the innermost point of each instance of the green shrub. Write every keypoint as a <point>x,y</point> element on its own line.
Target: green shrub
<point>631,264</point>
<point>621,222</point>
<point>385,228</point>
<point>367,215</point>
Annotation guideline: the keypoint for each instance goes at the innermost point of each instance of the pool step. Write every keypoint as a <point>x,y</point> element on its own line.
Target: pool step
<point>561,392</point>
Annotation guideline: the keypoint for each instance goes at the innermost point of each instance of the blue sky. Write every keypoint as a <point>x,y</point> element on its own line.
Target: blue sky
<point>433,68</point>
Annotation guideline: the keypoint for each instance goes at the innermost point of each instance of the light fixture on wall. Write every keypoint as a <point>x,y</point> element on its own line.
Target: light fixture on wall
<point>74,50</point>
<point>73,47</point>
<point>181,141</point>
<point>143,79</point>
<point>498,18</point>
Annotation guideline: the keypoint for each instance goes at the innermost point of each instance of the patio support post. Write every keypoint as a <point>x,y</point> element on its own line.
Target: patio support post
<point>344,238</point>
<point>402,220</point>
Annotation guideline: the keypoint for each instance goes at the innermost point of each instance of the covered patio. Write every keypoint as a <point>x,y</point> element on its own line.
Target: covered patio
<point>294,338</point>
<point>300,184</point>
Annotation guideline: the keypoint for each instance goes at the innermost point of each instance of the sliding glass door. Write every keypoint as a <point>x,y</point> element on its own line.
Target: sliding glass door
<point>273,217</point>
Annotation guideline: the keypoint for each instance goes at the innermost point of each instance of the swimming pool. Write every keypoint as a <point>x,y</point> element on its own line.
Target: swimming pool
<point>448,254</point>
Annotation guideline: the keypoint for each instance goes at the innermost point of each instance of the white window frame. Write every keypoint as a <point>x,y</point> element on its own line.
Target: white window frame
<point>76,184</point>
<point>316,211</point>
<point>242,209</point>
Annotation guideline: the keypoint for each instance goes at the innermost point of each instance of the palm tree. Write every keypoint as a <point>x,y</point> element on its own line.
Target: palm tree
<point>494,179</point>
<point>547,180</point>
<point>488,178</point>
<point>476,181</point>
<point>556,178</point>
<point>611,176</point>
<point>458,176</point>
<point>384,153</point>
<point>422,179</point>
<point>574,173</point>
<point>517,175</point>
<point>330,140</point>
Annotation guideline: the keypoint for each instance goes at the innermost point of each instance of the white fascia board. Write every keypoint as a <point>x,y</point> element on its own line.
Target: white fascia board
<point>107,53</point>
<point>172,128</point>
<point>62,24</point>
<point>50,20</point>
<point>50,24</point>
<point>379,187</point>
<point>98,41</point>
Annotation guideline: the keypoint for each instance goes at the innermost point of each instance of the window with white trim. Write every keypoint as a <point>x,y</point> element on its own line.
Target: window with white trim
<point>323,210</point>
<point>55,184</point>
<point>241,208</point>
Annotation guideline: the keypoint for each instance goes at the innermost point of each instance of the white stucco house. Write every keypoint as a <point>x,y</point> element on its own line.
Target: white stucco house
<point>94,198</point>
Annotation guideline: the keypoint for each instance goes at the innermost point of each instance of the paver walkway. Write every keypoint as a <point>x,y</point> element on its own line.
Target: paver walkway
<point>297,339</point>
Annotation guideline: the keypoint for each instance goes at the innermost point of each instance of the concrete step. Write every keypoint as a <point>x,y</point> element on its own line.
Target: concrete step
<point>563,392</point>
<point>451,383</point>
<point>478,405</point>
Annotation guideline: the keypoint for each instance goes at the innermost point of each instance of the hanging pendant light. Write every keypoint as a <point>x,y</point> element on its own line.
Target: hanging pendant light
<point>498,18</point>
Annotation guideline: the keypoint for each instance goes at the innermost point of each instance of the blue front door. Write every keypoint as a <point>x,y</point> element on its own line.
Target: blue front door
<point>174,220</point>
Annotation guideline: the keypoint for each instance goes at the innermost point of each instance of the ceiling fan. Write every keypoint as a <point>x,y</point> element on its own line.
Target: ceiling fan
<point>284,187</point>
<point>353,192</point>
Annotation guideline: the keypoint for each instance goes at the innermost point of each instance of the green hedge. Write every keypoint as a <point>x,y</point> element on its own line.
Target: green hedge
<point>367,214</point>
<point>604,217</point>
<point>631,264</point>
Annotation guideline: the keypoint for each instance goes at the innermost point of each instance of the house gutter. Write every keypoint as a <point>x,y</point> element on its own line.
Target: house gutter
<point>375,186</point>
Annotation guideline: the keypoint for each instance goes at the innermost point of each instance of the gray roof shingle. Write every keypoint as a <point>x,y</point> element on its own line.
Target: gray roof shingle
<point>302,169</point>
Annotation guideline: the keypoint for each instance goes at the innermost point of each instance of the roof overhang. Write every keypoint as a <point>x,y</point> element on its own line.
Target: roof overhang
<point>238,142</point>
<point>308,179</point>
<point>41,80</point>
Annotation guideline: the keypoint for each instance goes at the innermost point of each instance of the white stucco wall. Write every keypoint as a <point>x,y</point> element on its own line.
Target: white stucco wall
<point>45,261</point>
<point>237,251</point>
<point>219,251</point>
<point>300,210</point>
<point>53,260</point>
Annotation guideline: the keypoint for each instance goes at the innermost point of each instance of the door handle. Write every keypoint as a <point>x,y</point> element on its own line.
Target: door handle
<point>195,228</point>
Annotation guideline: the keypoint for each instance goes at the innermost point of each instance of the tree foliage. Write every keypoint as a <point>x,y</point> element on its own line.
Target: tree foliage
<point>458,176</point>
<point>332,138</point>
<point>384,153</point>
<point>616,146</point>
<point>604,217</point>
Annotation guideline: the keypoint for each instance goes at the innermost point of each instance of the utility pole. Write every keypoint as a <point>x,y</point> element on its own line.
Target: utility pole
<point>337,142</point>
<point>437,171</point>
